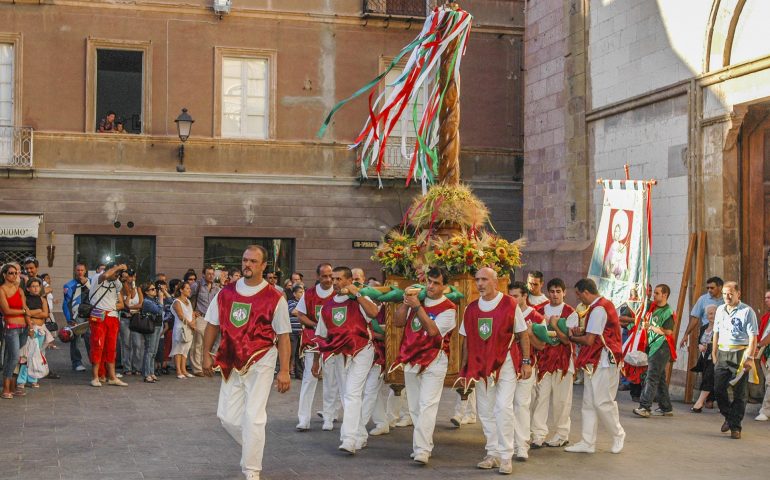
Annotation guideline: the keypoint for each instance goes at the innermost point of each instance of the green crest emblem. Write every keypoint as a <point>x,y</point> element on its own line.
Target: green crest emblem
<point>239,314</point>
<point>485,328</point>
<point>416,325</point>
<point>318,312</point>
<point>339,315</point>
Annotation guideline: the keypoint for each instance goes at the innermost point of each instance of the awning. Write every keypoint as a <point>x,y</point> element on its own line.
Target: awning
<point>15,226</point>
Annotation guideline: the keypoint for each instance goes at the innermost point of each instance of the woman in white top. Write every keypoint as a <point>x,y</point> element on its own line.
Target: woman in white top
<point>183,327</point>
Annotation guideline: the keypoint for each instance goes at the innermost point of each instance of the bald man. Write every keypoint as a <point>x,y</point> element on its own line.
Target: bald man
<point>489,325</point>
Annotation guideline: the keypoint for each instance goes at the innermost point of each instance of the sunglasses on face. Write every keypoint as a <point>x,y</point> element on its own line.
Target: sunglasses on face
<point>12,273</point>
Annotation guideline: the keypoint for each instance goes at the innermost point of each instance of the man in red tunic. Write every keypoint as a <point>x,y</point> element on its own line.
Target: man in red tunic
<point>489,325</point>
<point>600,355</point>
<point>424,356</point>
<point>308,310</point>
<point>535,297</point>
<point>344,332</point>
<point>555,366</point>
<point>522,398</point>
<point>252,318</point>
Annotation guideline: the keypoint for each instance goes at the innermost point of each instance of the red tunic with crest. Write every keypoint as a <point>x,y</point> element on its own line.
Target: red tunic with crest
<point>555,358</point>
<point>488,338</point>
<point>591,354</point>
<point>246,324</point>
<point>537,306</point>
<point>347,331</point>
<point>313,304</point>
<point>516,354</point>
<point>419,348</point>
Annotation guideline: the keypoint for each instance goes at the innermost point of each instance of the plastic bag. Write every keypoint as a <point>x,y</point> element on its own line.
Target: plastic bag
<point>37,365</point>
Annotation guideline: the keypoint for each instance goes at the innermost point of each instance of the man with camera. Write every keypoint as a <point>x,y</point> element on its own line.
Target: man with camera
<point>105,303</point>
<point>74,291</point>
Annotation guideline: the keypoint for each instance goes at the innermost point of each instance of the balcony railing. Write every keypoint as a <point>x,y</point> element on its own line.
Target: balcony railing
<point>399,8</point>
<point>15,147</point>
<point>396,166</point>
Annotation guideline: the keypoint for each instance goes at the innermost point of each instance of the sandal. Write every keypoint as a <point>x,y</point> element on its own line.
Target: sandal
<point>7,396</point>
<point>33,385</point>
<point>148,379</point>
<point>19,392</point>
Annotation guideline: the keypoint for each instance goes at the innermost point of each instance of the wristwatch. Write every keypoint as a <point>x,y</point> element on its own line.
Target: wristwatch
<point>358,295</point>
<point>526,361</point>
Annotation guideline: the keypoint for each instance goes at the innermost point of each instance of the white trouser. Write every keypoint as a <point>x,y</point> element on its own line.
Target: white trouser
<point>372,387</point>
<point>522,413</point>
<point>424,395</point>
<point>241,409</point>
<point>766,402</point>
<point>333,386</point>
<point>397,406</point>
<point>599,403</point>
<point>554,393</point>
<point>307,392</point>
<point>467,407</point>
<point>495,410</point>
<point>379,415</point>
<point>357,371</point>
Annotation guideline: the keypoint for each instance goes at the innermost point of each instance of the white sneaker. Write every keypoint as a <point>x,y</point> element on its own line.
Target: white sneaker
<point>506,467</point>
<point>580,447</point>
<point>456,421</point>
<point>117,382</point>
<point>404,421</point>
<point>362,446</point>
<point>252,475</point>
<point>328,426</point>
<point>557,442</point>
<point>80,368</point>
<point>469,420</point>
<point>380,430</point>
<point>348,447</point>
<point>521,455</point>
<point>422,458</point>
<point>118,375</point>
<point>96,383</point>
<point>301,427</point>
<point>761,418</point>
<point>489,463</point>
<point>617,443</point>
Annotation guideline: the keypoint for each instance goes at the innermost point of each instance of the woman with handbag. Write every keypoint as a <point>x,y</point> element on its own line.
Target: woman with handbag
<point>151,308</point>
<point>183,329</point>
<point>705,365</point>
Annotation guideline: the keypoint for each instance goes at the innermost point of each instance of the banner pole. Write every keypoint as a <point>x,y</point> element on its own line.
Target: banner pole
<point>682,296</point>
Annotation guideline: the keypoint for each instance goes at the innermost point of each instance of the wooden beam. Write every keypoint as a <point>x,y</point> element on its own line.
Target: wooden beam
<point>692,352</point>
<point>682,295</point>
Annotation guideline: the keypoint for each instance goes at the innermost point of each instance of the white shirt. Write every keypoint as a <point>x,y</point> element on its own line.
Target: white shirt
<point>537,299</point>
<point>321,330</point>
<point>280,323</point>
<point>302,306</point>
<point>110,291</point>
<point>596,323</point>
<point>445,322</point>
<point>519,324</point>
<point>551,311</point>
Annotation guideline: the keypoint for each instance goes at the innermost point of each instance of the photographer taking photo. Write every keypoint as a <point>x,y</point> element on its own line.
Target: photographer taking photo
<point>106,302</point>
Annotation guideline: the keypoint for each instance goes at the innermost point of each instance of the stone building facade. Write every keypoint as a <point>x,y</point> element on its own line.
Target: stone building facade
<point>258,82</point>
<point>679,91</point>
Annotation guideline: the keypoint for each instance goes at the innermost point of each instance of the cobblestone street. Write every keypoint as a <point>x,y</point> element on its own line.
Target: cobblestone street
<point>69,430</point>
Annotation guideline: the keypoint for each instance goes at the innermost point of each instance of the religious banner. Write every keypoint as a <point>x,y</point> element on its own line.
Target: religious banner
<point>620,264</point>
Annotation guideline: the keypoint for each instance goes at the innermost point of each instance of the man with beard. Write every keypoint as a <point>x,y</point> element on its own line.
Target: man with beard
<point>252,317</point>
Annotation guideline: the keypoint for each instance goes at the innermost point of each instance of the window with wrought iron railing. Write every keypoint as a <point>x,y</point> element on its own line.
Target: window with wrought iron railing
<point>401,8</point>
<point>15,147</point>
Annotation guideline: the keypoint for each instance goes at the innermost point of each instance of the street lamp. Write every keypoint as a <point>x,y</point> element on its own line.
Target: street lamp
<point>183,126</point>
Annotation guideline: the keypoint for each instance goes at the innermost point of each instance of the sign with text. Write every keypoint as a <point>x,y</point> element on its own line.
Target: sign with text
<point>365,244</point>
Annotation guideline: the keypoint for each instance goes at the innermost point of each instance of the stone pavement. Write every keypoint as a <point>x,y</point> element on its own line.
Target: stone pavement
<point>69,430</point>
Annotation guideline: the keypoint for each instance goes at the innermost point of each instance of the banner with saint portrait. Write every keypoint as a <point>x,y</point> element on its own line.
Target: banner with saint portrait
<point>620,262</point>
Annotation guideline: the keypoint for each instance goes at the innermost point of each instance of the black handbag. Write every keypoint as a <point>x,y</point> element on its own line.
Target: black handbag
<point>141,323</point>
<point>51,325</point>
<point>85,308</point>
